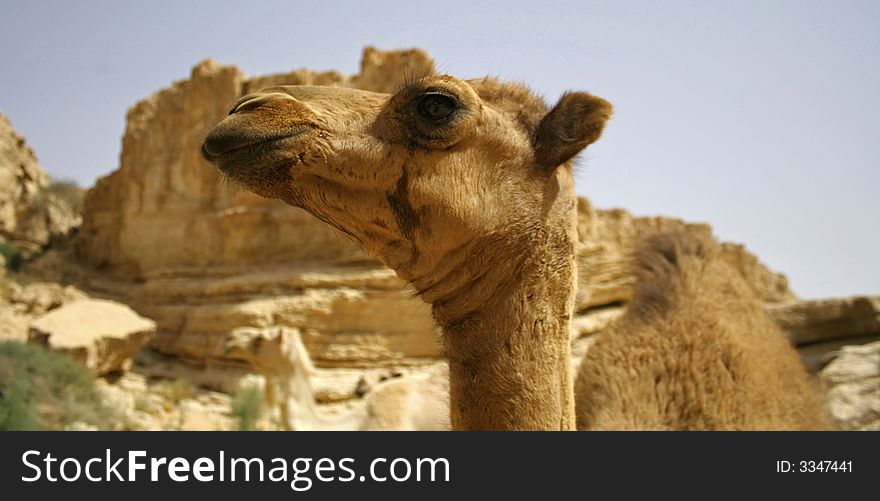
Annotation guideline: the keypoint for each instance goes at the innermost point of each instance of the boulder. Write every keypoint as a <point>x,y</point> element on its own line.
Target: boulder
<point>13,325</point>
<point>40,297</point>
<point>103,335</point>
<point>852,380</point>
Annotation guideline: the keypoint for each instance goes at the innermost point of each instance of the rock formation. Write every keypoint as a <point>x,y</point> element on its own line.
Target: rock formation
<point>103,335</point>
<point>218,227</point>
<point>21,179</point>
<point>20,305</point>
<point>32,210</point>
<point>853,387</point>
<point>821,326</point>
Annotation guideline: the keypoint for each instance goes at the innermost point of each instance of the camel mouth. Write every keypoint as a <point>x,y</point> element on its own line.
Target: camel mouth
<point>218,143</point>
<point>259,163</point>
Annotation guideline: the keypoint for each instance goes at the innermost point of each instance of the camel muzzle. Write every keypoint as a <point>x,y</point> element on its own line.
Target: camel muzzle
<point>227,138</point>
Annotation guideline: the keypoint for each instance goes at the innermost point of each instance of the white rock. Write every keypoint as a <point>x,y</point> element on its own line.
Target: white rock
<point>853,382</point>
<point>103,335</point>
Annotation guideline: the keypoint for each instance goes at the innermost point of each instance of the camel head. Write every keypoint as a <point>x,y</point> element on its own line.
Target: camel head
<point>272,350</point>
<point>424,178</point>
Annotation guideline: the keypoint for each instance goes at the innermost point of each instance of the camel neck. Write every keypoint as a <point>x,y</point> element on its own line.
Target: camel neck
<point>303,413</point>
<point>507,337</point>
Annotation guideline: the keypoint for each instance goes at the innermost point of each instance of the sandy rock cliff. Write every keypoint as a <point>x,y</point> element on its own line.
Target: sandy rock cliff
<point>21,179</point>
<point>167,209</point>
<point>31,212</point>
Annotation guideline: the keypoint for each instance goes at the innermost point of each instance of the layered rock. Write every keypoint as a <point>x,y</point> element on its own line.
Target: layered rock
<point>822,326</point>
<point>852,383</point>
<point>363,315</point>
<point>820,320</point>
<point>33,211</point>
<point>103,335</point>
<point>13,325</point>
<point>20,305</point>
<point>38,298</point>
<point>21,180</point>
<point>349,317</point>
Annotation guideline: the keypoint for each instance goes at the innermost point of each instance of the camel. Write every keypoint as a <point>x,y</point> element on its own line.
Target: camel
<point>694,351</point>
<point>465,189</point>
<point>399,404</point>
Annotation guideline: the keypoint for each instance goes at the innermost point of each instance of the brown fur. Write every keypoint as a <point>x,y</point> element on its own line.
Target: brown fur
<point>477,211</point>
<point>695,351</point>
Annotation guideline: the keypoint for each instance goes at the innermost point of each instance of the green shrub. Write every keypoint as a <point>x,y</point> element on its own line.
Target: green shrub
<point>12,255</point>
<point>175,390</point>
<point>41,389</point>
<point>247,406</point>
<point>16,412</point>
<point>143,404</point>
<point>63,192</point>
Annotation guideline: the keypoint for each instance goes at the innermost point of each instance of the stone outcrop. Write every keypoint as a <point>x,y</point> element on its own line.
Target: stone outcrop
<point>33,210</point>
<point>38,298</point>
<point>815,321</point>
<point>819,327</point>
<point>13,325</point>
<point>167,209</point>
<point>852,383</point>
<point>101,334</point>
<point>21,180</point>
<point>385,71</point>
<point>53,216</point>
<point>19,305</point>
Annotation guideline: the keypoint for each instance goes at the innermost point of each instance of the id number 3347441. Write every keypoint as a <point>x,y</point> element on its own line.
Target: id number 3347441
<point>813,466</point>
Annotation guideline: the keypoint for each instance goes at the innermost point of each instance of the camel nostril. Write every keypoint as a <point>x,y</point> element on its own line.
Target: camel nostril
<point>244,104</point>
<point>206,154</point>
<point>254,101</point>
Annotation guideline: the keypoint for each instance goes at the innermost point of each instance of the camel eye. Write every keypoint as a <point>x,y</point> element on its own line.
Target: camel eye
<point>437,107</point>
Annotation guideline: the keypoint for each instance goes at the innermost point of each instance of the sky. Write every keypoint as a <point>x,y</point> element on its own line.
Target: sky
<point>761,118</point>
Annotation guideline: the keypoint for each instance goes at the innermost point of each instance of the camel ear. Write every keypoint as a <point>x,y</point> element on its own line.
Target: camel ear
<point>576,121</point>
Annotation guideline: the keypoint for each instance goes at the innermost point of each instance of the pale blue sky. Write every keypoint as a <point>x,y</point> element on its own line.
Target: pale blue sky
<point>759,117</point>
